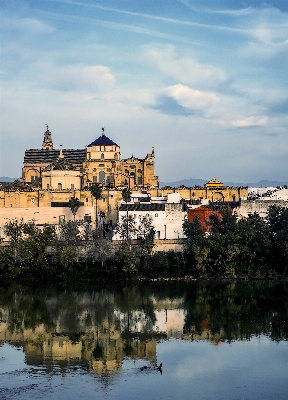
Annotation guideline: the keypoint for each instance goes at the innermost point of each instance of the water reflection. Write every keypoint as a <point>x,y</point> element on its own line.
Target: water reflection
<point>97,328</point>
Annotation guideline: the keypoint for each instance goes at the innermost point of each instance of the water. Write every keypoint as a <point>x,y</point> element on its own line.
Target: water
<point>214,341</point>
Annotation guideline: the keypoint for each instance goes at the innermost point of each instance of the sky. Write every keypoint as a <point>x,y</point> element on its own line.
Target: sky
<point>204,82</point>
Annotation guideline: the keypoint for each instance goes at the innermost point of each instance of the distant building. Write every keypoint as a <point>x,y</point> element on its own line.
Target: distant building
<point>100,162</point>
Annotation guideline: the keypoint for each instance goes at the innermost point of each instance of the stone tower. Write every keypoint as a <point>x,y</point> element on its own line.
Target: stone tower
<point>47,141</point>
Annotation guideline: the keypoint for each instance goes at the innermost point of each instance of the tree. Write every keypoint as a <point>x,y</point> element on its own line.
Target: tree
<point>146,234</point>
<point>126,226</point>
<point>96,191</point>
<point>278,231</point>
<point>193,232</point>
<point>126,196</point>
<point>74,204</point>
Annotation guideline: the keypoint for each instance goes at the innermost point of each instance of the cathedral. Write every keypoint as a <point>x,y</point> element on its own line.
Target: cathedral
<point>100,162</point>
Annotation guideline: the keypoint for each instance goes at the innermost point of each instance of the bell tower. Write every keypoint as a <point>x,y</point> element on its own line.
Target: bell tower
<point>47,141</point>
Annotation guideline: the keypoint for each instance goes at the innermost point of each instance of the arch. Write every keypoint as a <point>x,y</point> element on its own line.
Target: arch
<point>218,196</point>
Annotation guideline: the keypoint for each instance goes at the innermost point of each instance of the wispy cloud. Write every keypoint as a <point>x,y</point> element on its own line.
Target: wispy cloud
<point>232,12</point>
<point>155,17</point>
<point>250,121</point>
<point>30,25</point>
<point>183,68</point>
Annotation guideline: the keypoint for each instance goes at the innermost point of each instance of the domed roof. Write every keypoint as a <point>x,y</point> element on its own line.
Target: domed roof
<point>103,140</point>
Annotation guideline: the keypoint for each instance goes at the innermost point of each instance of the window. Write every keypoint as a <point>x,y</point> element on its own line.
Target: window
<point>139,180</point>
<point>94,169</point>
<point>101,165</point>
<point>94,179</point>
<point>72,186</point>
<point>87,219</point>
<point>158,235</point>
<point>108,169</point>
<point>132,167</point>
<point>126,171</point>
<point>102,156</point>
<point>59,186</point>
<point>156,214</point>
<point>139,171</point>
<point>47,187</point>
<point>61,219</point>
<point>86,199</point>
<point>101,176</point>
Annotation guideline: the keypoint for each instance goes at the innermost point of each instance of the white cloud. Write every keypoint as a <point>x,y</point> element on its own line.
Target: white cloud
<point>26,25</point>
<point>190,98</point>
<point>76,78</point>
<point>250,121</point>
<point>183,69</point>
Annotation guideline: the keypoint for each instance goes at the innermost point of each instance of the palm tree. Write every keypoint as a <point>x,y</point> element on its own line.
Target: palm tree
<point>74,204</point>
<point>126,196</point>
<point>96,191</point>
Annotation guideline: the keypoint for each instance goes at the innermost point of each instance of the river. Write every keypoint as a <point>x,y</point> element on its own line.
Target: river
<point>145,340</point>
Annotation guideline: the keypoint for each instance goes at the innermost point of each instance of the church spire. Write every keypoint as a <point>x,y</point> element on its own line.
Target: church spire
<point>47,141</point>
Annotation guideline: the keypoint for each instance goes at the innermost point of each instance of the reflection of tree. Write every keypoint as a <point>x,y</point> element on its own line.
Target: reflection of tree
<point>102,325</point>
<point>239,310</point>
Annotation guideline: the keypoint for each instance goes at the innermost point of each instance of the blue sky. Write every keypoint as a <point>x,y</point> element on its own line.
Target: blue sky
<point>204,82</point>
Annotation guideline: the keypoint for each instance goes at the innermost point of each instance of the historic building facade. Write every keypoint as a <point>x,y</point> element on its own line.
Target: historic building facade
<point>100,163</point>
<point>50,177</point>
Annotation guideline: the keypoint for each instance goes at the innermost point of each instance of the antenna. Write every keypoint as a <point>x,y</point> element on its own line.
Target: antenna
<point>103,129</point>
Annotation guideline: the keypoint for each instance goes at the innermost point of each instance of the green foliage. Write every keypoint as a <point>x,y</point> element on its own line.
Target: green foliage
<point>248,248</point>
<point>74,205</point>
<point>26,254</point>
<point>126,195</point>
<point>146,234</point>
<point>96,190</point>
<point>128,260</point>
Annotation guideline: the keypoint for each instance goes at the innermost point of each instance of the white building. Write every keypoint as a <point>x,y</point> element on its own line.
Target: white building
<point>281,194</point>
<point>167,214</point>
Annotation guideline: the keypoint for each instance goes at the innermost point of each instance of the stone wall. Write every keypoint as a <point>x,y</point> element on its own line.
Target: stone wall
<point>259,206</point>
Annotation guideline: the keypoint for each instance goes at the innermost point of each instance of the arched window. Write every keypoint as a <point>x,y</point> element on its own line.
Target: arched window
<point>102,156</point>
<point>59,186</point>
<point>101,176</point>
